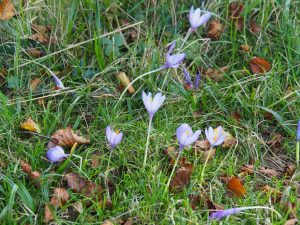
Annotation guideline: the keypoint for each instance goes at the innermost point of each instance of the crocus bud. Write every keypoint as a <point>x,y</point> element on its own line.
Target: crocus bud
<point>173,61</point>
<point>186,136</point>
<point>113,138</point>
<point>195,18</point>
<point>215,136</point>
<point>152,104</point>
<point>56,154</point>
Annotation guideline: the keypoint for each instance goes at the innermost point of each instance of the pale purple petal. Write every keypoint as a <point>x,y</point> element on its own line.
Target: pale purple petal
<point>194,17</point>
<point>224,213</point>
<point>57,81</point>
<point>108,133</point>
<point>172,46</point>
<point>210,135</point>
<point>182,129</point>
<point>56,154</point>
<point>202,19</point>
<point>220,140</point>
<point>173,61</point>
<point>191,139</point>
<point>117,139</point>
<point>197,81</point>
<point>187,76</point>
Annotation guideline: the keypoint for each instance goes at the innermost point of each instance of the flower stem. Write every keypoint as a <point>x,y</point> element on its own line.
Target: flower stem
<point>204,166</point>
<point>297,153</point>
<point>106,173</point>
<point>147,143</point>
<point>188,34</point>
<point>173,170</point>
<point>136,79</point>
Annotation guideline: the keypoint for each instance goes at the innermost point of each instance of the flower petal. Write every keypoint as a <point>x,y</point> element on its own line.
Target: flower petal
<point>202,19</point>
<point>191,139</point>
<point>108,133</point>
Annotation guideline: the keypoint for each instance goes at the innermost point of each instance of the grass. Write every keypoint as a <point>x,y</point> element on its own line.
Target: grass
<point>83,29</point>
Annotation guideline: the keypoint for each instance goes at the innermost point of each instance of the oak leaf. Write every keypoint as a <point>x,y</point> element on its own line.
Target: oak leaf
<point>67,138</point>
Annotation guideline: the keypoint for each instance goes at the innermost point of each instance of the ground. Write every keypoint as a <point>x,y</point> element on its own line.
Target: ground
<point>261,111</point>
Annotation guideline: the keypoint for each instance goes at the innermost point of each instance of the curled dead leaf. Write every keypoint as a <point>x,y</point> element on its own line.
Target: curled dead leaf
<point>34,52</point>
<point>41,29</point>
<point>290,169</point>
<point>215,29</point>
<point>276,142</point>
<point>235,9</point>
<point>34,83</point>
<point>273,191</point>
<point>291,222</point>
<point>213,207</point>
<point>202,145</point>
<point>245,48</point>
<point>268,172</point>
<point>254,27</point>
<point>67,138</point>
<point>239,23</point>
<point>235,187</point>
<point>7,10</point>
<point>248,169</point>
<point>259,65</point>
<point>107,222</point>
<point>122,77</point>
<point>292,210</point>
<point>229,141</point>
<point>43,34</point>
<point>47,214</point>
<point>194,201</point>
<point>181,178</point>
<point>83,186</point>
<point>33,175</point>
<point>216,75</point>
<point>60,197</point>
<point>30,125</point>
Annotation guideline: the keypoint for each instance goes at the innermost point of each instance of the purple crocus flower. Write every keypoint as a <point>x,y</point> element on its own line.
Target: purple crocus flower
<point>215,136</point>
<point>173,61</point>
<point>189,79</point>
<point>298,132</point>
<point>195,18</point>
<point>56,154</point>
<point>152,104</point>
<point>58,82</point>
<point>186,136</point>
<point>113,138</point>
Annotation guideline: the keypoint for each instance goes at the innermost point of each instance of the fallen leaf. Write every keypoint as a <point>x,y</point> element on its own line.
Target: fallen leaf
<point>236,116</point>
<point>292,210</point>
<point>239,23</point>
<point>7,10</point>
<point>248,169</point>
<point>215,29</point>
<point>67,138</point>
<point>41,29</point>
<point>96,160</point>
<point>108,203</point>
<point>42,35</point>
<point>259,65</point>
<point>181,178</point>
<point>214,74</point>
<point>34,52</point>
<point>34,83</point>
<point>291,222</point>
<point>268,172</point>
<point>290,169</point>
<point>272,191</point>
<point>235,187</point>
<point>47,214</point>
<point>213,207</point>
<point>30,125</point>
<point>33,175</point>
<point>83,186</point>
<point>122,77</point>
<point>235,9</point>
<point>107,222</point>
<point>276,141</point>
<point>202,145</point>
<point>254,27</point>
<point>268,116</point>
<point>128,222</point>
<point>245,48</point>
<point>78,206</point>
<point>194,201</point>
<point>229,141</point>
<point>60,197</point>
<point>207,155</point>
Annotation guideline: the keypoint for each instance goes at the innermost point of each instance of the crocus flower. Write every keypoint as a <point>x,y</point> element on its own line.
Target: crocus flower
<point>298,132</point>
<point>173,61</point>
<point>58,82</point>
<point>189,79</point>
<point>215,136</point>
<point>113,138</point>
<point>152,104</point>
<point>195,18</point>
<point>186,136</point>
<point>228,212</point>
<point>56,154</point>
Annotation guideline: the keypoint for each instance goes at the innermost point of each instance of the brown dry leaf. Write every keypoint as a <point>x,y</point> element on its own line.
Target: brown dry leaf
<point>239,23</point>
<point>60,197</point>
<point>202,145</point>
<point>30,125</point>
<point>236,116</point>
<point>34,83</point>
<point>194,201</point>
<point>7,10</point>
<point>96,160</point>
<point>78,206</point>
<point>122,77</point>
<point>272,191</point>
<point>128,222</point>
<point>216,75</point>
<point>254,27</point>
<point>276,142</point>
<point>235,187</point>
<point>181,178</point>
<point>67,138</point>
<point>42,34</point>
<point>83,186</point>
<point>290,169</point>
<point>207,155</point>
<point>33,175</point>
<point>107,222</point>
<point>34,52</point>
<point>259,65</point>
<point>248,169</point>
<point>235,9</point>
<point>245,48</point>
<point>41,29</point>
<point>268,116</point>
<point>47,214</point>
<point>292,210</point>
<point>40,38</point>
<point>268,172</point>
<point>215,29</point>
<point>229,141</point>
<point>213,207</point>
<point>25,167</point>
<point>291,222</point>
